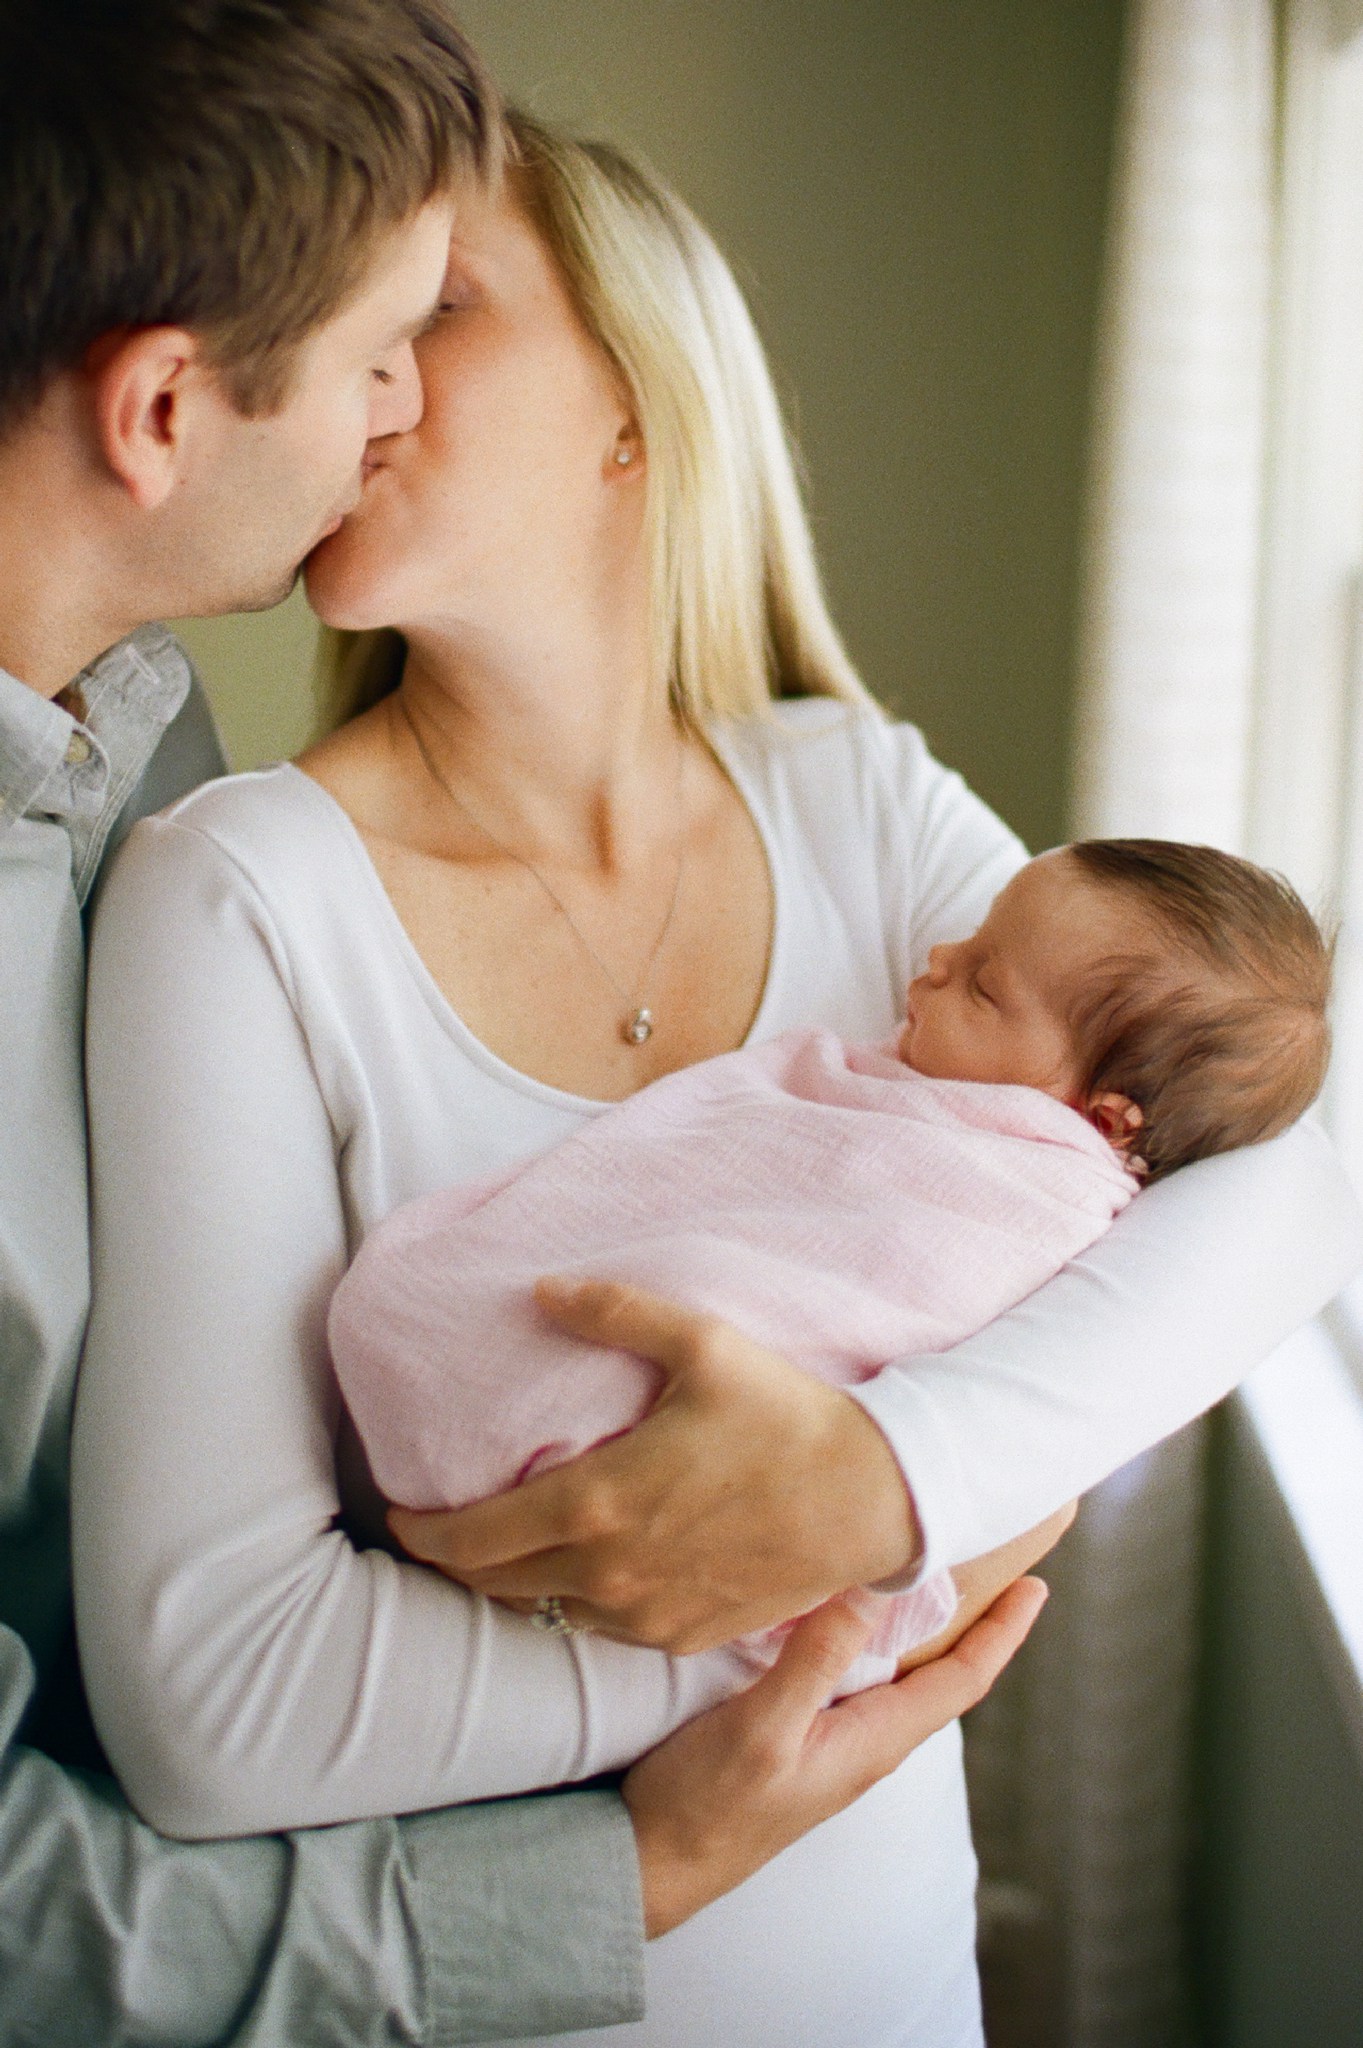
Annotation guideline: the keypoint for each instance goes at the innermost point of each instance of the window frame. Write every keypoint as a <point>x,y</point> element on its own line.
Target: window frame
<point>1306,772</point>
<point>1305,810</point>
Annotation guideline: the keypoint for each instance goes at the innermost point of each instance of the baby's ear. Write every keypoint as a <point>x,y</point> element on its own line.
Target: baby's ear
<point>1117,1117</point>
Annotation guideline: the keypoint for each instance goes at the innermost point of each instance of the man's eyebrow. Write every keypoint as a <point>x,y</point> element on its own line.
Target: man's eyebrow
<point>412,330</point>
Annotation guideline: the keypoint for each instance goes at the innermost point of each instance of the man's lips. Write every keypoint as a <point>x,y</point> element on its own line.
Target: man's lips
<point>335,525</point>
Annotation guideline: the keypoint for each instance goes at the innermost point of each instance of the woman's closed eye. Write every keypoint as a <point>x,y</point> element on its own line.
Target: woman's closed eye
<point>458,293</point>
<point>457,298</point>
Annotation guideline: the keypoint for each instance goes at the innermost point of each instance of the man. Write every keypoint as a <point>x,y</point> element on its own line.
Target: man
<point>222,224</point>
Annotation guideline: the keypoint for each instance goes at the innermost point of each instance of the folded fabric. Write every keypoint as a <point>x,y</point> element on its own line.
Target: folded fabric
<point>825,1199</point>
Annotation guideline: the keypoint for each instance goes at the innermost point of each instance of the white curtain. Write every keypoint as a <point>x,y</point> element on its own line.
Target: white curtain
<point>1167,653</point>
<point>1079,1762</point>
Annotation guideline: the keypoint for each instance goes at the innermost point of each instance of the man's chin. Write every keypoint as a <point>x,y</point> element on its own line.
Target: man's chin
<point>266,600</point>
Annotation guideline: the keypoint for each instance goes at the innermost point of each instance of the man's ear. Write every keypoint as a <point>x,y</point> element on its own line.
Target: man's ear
<point>145,383</point>
<point>1117,1117</point>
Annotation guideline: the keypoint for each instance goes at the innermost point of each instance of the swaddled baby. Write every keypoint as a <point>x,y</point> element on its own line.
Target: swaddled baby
<point>1126,1006</point>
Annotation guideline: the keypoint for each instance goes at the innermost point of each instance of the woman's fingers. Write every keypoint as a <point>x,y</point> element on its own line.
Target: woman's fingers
<point>621,1317</point>
<point>997,1636</point>
<point>725,1510</point>
<point>577,1502</point>
<point>520,1527</point>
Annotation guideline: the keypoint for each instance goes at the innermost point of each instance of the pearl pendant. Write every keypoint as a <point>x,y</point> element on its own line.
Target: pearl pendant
<point>638,1027</point>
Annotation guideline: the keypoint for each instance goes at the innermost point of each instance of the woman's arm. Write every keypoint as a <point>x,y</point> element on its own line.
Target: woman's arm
<point>749,1493</point>
<point>249,1668</point>
<point>1198,1279</point>
<point>1201,1277</point>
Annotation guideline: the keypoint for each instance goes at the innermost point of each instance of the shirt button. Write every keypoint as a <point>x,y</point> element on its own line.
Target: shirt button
<point>78,750</point>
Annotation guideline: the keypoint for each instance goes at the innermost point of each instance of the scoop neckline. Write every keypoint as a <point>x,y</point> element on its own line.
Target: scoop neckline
<point>443,1010</point>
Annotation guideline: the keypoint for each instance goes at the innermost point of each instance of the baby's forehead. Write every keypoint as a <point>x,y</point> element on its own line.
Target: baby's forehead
<point>1055,884</point>
<point>1076,916</point>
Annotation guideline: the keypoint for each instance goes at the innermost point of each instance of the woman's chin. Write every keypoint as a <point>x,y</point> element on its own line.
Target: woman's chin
<point>338,596</point>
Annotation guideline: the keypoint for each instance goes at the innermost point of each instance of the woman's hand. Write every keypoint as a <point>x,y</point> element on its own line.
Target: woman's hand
<point>751,1492</point>
<point>733,1788</point>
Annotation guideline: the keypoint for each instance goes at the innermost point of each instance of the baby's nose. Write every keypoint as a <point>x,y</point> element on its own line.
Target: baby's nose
<point>939,966</point>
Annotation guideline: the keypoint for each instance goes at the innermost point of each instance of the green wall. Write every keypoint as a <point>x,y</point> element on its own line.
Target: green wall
<point>913,192</point>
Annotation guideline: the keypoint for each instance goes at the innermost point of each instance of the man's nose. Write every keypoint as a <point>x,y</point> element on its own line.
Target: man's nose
<point>399,404</point>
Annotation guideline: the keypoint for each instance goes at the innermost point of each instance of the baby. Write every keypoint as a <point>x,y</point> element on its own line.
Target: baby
<point>1127,1006</point>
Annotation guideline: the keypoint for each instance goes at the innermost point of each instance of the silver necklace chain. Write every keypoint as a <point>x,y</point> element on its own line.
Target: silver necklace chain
<point>638,1026</point>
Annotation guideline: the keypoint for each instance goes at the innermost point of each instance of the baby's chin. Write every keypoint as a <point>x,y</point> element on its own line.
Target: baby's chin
<point>903,1046</point>
<point>932,1067</point>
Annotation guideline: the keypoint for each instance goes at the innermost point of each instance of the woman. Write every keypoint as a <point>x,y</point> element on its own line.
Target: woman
<point>564,847</point>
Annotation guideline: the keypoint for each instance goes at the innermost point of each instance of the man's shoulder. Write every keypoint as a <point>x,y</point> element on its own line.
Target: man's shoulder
<point>188,752</point>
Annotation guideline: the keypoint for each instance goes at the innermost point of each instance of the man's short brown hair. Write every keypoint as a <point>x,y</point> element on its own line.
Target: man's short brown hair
<point>222,165</point>
<point>1218,1028</point>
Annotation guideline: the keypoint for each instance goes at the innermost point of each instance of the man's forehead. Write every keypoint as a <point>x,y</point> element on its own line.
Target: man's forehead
<point>395,295</point>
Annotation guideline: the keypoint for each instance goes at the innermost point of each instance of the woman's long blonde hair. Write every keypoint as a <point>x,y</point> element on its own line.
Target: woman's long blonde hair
<point>738,610</point>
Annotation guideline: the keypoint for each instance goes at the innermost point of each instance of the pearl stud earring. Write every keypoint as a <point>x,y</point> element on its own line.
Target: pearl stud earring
<point>624,457</point>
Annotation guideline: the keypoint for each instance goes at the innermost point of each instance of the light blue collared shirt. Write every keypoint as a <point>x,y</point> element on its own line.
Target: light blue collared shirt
<point>76,762</point>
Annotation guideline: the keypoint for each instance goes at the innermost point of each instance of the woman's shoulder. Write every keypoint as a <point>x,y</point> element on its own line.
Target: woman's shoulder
<point>847,791</point>
<point>829,759</point>
<point>245,814</point>
<point>791,724</point>
<point>245,806</point>
<point>268,833</point>
<point>824,734</point>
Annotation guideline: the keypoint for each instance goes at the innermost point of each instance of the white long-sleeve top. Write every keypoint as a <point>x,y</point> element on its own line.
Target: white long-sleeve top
<point>272,1071</point>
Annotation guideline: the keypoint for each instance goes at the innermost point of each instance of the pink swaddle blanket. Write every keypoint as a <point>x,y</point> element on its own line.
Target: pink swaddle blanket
<point>825,1199</point>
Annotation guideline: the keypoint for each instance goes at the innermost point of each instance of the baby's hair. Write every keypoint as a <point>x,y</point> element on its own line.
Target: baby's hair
<point>1218,1029</point>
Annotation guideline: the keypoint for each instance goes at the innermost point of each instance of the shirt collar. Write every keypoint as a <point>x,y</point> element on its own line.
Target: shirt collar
<point>76,759</point>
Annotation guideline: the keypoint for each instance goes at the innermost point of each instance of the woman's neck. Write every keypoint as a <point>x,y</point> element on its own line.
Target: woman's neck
<point>567,753</point>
